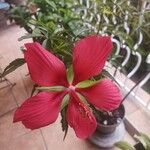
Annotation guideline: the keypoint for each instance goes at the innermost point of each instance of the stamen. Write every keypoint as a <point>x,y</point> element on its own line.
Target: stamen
<point>85,111</point>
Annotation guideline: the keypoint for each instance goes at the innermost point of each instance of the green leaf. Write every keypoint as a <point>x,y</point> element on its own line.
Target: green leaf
<point>33,89</point>
<point>116,56</point>
<point>144,139</point>
<point>36,33</point>
<point>44,44</point>
<point>86,83</point>
<point>47,44</point>
<point>65,102</point>
<point>13,66</point>
<point>27,36</point>
<point>141,140</point>
<point>51,3</point>
<point>70,74</point>
<point>51,89</point>
<point>83,99</point>
<point>64,122</point>
<point>124,145</point>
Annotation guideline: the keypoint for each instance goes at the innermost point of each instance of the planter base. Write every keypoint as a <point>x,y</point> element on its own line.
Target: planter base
<point>108,140</point>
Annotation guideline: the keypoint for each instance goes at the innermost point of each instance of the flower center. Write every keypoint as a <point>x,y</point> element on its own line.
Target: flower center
<point>72,88</point>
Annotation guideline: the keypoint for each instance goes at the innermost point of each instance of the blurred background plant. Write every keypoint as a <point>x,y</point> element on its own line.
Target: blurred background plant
<point>57,24</point>
<point>143,143</point>
<point>51,23</point>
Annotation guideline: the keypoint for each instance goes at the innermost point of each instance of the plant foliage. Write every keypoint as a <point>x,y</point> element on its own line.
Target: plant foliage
<point>142,138</point>
<point>58,24</point>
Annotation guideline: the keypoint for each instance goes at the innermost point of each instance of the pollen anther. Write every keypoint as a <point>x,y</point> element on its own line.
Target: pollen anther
<point>86,111</point>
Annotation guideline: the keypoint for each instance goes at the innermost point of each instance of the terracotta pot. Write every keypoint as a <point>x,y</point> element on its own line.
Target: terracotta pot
<point>106,136</point>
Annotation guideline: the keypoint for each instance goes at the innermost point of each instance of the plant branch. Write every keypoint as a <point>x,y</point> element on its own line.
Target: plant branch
<point>133,88</point>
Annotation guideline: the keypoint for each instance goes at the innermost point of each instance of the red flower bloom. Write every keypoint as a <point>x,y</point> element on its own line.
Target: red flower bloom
<point>89,57</point>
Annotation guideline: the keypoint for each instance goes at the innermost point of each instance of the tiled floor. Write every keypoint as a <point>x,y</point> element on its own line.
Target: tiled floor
<point>15,136</point>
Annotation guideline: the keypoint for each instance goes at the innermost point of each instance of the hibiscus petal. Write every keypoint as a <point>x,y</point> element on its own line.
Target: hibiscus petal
<point>40,110</point>
<point>45,69</point>
<point>105,95</point>
<point>80,118</point>
<point>89,56</point>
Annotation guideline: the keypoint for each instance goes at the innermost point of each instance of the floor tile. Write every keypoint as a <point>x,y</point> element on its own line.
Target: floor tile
<point>14,136</point>
<point>7,101</point>
<point>10,130</point>
<point>54,139</point>
<point>130,107</point>
<point>129,139</point>
<point>140,120</point>
<point>29,141</point>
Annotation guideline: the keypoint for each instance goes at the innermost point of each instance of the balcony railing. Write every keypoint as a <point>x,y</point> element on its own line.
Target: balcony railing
<point>124,81</point>
<point>89,13</point>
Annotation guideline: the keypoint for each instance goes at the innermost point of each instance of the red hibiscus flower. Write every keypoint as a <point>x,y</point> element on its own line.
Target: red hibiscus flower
<point>89,57</point>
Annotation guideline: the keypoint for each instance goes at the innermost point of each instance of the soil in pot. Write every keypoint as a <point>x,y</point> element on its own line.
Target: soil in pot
<point>110,118</point>
<point>110,128</point>
<point>108,121</point>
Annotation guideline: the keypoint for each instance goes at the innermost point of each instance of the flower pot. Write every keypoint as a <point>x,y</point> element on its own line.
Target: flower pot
<point>106,129</point>
<point>106,136</point>
<point>139,146</point>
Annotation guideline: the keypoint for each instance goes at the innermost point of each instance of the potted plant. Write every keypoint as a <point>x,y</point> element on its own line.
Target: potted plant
<point>66,36</point>
<point>110,127</point>
<point>83,95</point>
<point>143,143</point>
<point>76,92</point>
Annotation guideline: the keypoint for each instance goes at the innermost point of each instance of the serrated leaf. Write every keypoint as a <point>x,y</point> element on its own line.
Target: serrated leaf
<point>13,66</point>
<point>86,83</point>
<point>124,145</point>
<point>64,122</point>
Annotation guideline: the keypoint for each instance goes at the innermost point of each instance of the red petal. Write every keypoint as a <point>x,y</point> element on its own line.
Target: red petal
<point>89,56</point>
<point>80,118</point>
<point>45,69</point>
<point>40,110</point>
<point>105,95</point>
